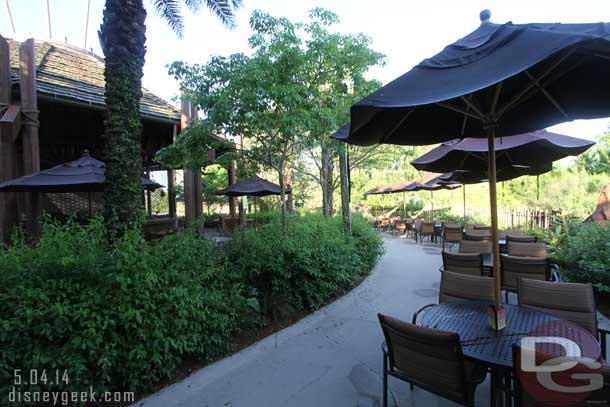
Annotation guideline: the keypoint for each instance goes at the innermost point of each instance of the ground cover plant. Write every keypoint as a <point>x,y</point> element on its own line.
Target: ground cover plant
<point>124,313</point>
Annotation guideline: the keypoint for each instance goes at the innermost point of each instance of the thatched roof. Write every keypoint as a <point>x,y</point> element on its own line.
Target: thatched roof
<point>72,74</point>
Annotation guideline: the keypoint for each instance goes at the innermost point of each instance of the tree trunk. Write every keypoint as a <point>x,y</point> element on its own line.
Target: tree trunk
<point>280,174</point>
<point>326,178</point>
<point>122,37</point>
<point>289,198</point>
<point>345,189</point>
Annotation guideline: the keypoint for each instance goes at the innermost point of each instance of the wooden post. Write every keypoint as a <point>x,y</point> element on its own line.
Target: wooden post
<point>8,151</point>
<point>344,177</point>
<point>197,182</point>
<point>171,188</point>
<point>232,178</point>
<point>189,192</point>
<point>29,132</point>
<point>148,197</point>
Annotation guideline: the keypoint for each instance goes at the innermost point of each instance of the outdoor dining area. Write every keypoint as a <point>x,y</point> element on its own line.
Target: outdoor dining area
<point>485,98</point>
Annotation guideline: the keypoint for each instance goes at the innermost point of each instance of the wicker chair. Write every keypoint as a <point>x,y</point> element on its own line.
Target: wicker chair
<point>430,359</point>
<point>481,227</point>
<point>527,249</point>
<point>459,287</point>
<point>472,246</point>
<point>574,302</point>
<point>471,226</point>
<point>513,268</point>
<point>599,397</point>
<point>478,235</point>
<point>520,239</point>
<point>410,227</point>
<point>400,226</point>
<point>426,229</point>
<point>385,224</point>
<point>452,233</point>
<point>463,263</point>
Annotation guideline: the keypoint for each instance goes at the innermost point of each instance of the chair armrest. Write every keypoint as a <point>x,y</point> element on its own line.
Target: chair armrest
<point>603,333</point>
<point>416,314</point>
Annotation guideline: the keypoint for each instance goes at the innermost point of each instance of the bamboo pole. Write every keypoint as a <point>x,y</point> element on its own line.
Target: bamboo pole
<point>494,216</point>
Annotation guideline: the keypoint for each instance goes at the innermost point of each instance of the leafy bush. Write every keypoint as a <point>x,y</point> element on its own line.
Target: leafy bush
<point>557,234</point>
<point>312,262</point>
<point>116,316</point>
<point>585,256</point>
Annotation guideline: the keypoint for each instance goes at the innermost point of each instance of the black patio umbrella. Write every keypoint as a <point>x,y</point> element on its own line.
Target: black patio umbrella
<point>397,187</point>
<point>254,186</point>
<point>499,80</point>
<point>431,182</point>
<point>83,175</point>
<point>528,150</point>
<point>505,174</point>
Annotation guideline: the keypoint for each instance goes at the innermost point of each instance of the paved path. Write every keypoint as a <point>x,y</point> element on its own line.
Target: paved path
<point>331,358</point>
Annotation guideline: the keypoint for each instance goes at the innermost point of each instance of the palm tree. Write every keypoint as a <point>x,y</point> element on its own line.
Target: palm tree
<point>122,37</point>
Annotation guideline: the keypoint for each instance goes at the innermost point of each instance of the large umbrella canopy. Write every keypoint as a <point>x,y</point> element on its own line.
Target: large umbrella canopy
<point>523,77</point>
<point>499,80</point>
<point>83,175</point>
<point>431,182</point>
<point>528,150</point>
<point>254,186</point>
<point>504,174</point>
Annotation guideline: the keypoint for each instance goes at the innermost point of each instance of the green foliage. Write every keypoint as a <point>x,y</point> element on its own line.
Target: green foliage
<point>596,160</point>
<point>308,265</point>
<point>557,234</point>
<point>118,315</point>
<point>192,147</point>
<point>294,89</point>
<point>585,255</point>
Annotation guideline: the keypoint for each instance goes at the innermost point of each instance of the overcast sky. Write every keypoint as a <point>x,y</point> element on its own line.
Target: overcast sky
<point>406,31</point>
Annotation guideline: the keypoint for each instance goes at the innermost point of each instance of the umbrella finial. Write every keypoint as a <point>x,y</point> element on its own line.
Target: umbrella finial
<point>86,153</point>
<point>485,16</point>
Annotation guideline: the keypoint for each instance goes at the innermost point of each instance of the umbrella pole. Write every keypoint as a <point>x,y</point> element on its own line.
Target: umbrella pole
<point>493,204</point>
<point>404,204</point>
<point>90,198</point>
<point>464,201</point>
<point>538,187</point>
<point>431,205</point>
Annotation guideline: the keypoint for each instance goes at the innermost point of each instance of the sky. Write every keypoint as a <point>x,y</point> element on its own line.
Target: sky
<point>405,31</point>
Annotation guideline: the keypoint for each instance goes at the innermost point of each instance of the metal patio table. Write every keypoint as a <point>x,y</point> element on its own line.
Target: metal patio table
<point>494,349</point>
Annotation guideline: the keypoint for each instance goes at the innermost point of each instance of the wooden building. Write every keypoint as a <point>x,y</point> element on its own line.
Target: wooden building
<point>52,108</point>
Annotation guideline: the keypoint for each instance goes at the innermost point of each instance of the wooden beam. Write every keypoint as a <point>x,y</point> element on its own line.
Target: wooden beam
<point>8,150</point>
<point>11,122</point>
<point>30,141</point>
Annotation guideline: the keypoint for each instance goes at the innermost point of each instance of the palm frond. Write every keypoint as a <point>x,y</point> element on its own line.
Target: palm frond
<point>224,10</point>
<point>170,11</point>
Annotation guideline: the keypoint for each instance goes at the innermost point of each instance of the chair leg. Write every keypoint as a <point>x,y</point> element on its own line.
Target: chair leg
<point>385,381</point>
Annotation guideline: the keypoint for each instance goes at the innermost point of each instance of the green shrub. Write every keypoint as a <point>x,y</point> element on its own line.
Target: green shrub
<point>585,256</point>
<point>309,264</point>
<point>116,316</point>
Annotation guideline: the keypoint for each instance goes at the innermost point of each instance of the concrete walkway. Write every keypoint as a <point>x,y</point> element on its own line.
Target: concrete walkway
<point>331,358</point>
